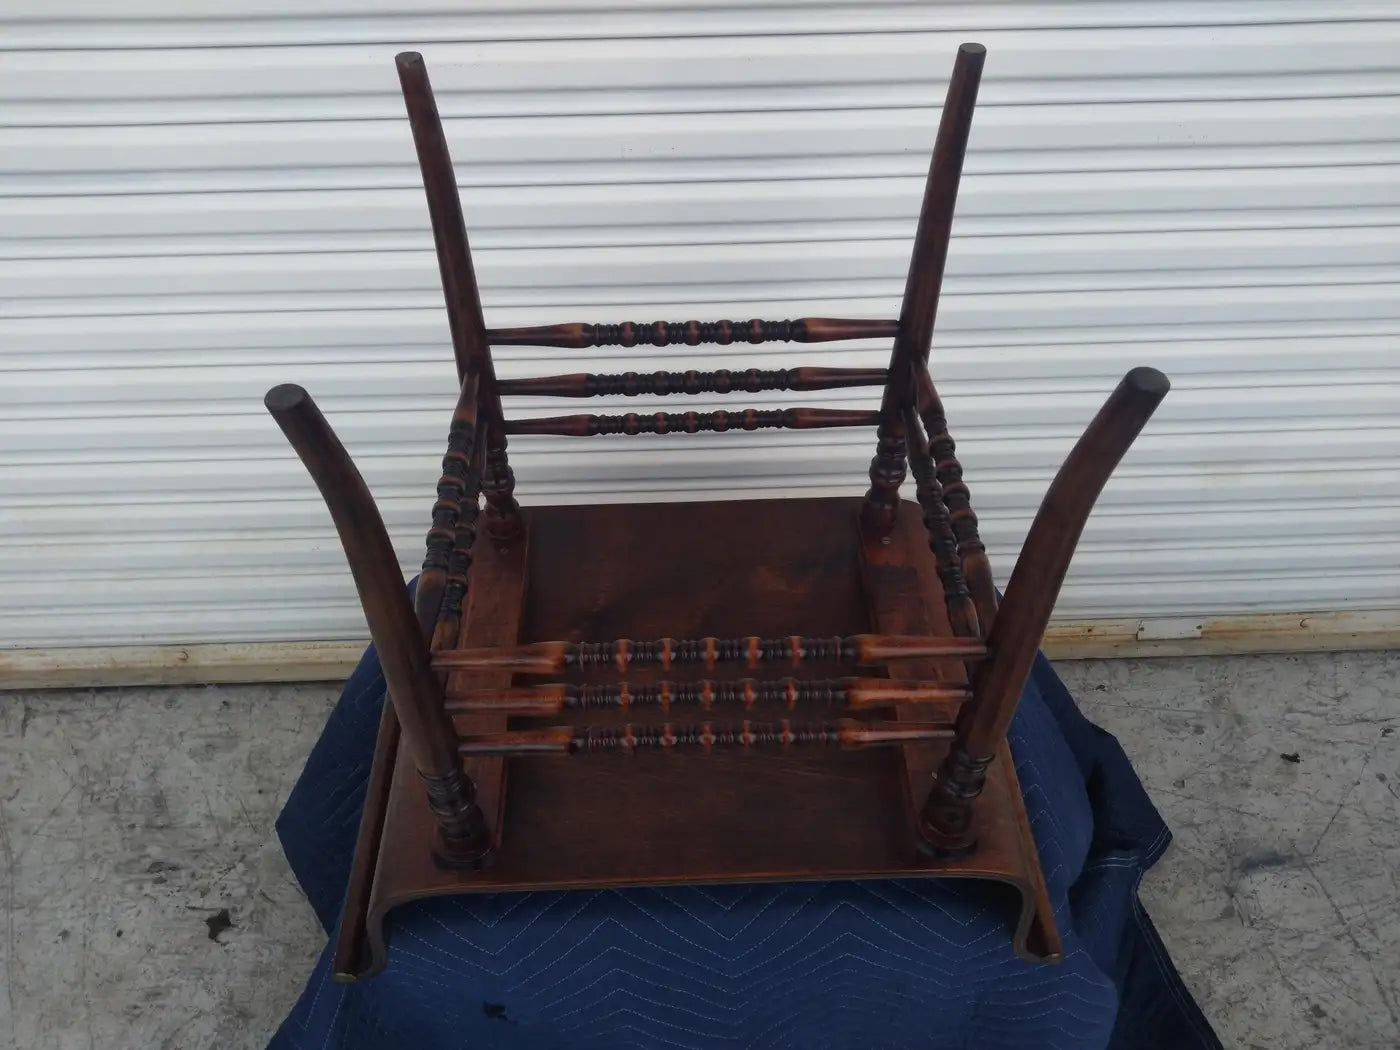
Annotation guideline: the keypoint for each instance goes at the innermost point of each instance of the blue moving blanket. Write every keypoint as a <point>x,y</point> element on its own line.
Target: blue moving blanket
<point>920,963</point>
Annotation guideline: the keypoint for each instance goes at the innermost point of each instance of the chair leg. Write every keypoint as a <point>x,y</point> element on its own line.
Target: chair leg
<point>413,687</point>
<point>946,821</point>
<point>464,317</point>
<point>921,287</point>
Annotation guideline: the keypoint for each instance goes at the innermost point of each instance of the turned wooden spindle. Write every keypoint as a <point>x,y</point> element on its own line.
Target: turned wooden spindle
<point>921,288</point>
<point>962,613</point>
<point>457,491</point>
<point>459,288</point>
<point>570,740</point>
<point>859,650</point>
<point>720,381</point>
<point>855,694</point>
<point>634,423</point>
<point>413,688</point>
<point>459,560</point>
<point>579,336</point>
<point>946,819</point>
<point>972,554</point>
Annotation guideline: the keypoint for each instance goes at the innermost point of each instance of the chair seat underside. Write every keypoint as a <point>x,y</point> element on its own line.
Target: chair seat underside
<point>726,569</point>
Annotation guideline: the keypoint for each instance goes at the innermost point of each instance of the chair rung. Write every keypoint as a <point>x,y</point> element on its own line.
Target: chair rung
<point>720,381</point>
<point>569,740</point>
<point>858,649</point>
<point>694,422</point>
<point>693,333</point>
<point>853,693</point>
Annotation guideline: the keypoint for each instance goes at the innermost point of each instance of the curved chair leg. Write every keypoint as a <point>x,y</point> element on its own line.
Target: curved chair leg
<point>946,820</point>
<point>414,689</point>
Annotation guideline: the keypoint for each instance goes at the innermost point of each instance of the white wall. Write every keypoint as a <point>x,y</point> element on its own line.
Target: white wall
<point>199,200</point>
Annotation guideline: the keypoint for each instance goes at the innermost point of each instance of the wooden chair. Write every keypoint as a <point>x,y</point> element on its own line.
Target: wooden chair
<point>854,674</point>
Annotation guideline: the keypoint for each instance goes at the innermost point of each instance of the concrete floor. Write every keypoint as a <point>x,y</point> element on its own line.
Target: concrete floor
<point>130,817</point>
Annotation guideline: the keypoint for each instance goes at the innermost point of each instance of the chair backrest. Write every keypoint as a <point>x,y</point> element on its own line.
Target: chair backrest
<point>942,492</point>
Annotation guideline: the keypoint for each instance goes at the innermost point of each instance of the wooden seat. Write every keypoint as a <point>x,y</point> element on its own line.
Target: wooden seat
<point>802,689</point>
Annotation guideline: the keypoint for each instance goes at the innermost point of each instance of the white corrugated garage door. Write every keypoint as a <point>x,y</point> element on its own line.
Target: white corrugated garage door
<point>197,202</point>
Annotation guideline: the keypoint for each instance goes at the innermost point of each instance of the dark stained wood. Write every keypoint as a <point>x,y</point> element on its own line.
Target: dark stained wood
<point>498,484</point>
<point>972,554</point>
<point>733,814</point>
<point>706,693</point>
<point>931,237</point>
<point>720,381</point>
<point>692,333</point>
<point>694,422</point>
<point>1030,598</point>
<point>413,687</point>
<point>886,472</point>
<point>623,654</point>
<point>352,954</point>
<point>916,777</point>
<point>922,286</point>
<point>892,567</point>
<point>459,288</point>
<point>572,740</point>
<point>459,558</point>
<point>493,616</point>
<point>454,516</point>
<point>962,613</point>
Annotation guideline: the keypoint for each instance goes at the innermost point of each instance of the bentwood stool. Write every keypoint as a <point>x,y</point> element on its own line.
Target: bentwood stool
<point>817,689</point>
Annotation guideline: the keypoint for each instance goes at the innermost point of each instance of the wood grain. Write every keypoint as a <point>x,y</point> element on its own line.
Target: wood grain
<point>694,422</point>
<point>704,736</point>
<point>719,381</point>
<point>817,584</point>
<point>922,286</point>
<point>707,693</point>
<point>972,553</point>
<point>692,333</point>
<point>962,613</point>
<point>1030,599</point>
<point>459,287</point>
<point>398,635</point>
<point>752,650</point>
<point>734,814</point>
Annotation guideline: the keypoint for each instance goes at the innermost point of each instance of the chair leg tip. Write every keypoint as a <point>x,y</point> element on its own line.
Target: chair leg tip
<point>959,852</point>
<point>463,858</point>
<point>943,845</point>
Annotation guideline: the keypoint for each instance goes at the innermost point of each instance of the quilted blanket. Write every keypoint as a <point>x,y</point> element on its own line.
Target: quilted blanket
<point>920,964</point>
